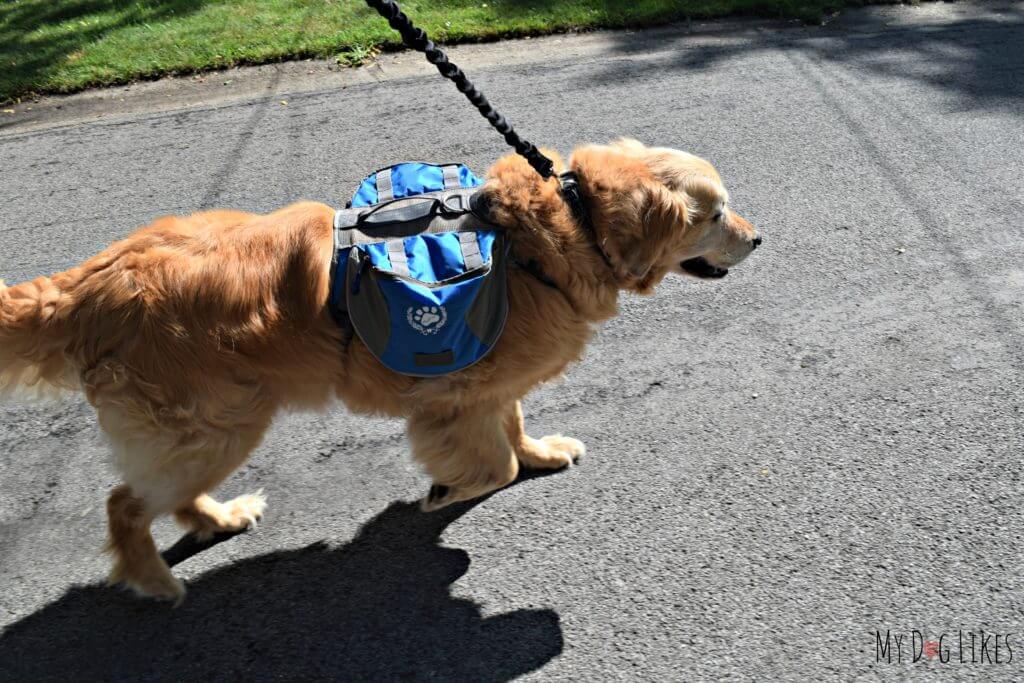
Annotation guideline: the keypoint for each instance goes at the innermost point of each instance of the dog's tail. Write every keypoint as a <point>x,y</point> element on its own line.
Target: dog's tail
<point>34,336</point>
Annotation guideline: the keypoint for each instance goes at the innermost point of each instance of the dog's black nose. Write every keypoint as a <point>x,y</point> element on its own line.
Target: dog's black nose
<point>756,242</point>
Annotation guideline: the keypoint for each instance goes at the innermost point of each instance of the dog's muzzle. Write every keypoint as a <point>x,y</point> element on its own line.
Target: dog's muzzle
<point>699,267</point>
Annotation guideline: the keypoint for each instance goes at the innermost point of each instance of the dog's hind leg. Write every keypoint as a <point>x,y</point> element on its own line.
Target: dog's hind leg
<point>136,561</point>
<point>467,453</point>
<point>203,515</point>
<point>170,473</point>
<point>546,453</point>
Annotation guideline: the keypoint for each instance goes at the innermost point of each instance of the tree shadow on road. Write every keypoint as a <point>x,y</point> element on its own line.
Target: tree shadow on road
<point>978,59</point>
<point>377,608</point>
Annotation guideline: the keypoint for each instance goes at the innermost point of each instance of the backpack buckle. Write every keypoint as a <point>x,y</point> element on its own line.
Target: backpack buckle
<point>453,204</point>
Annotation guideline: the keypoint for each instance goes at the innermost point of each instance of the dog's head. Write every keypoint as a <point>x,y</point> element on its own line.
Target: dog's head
<point>657,210</point>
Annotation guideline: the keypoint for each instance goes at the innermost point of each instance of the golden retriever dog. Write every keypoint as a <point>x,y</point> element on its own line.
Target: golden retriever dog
<point>191,334</point>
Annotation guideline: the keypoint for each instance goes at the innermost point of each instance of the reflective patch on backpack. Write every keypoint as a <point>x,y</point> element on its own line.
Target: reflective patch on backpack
<point>427,319</point>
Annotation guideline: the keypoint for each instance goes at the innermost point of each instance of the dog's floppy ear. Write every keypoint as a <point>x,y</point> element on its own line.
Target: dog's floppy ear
<point>658,214</point>
<point>635,215</point>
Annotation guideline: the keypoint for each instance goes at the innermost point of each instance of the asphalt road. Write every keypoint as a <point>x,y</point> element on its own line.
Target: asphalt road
<point>826,443</point>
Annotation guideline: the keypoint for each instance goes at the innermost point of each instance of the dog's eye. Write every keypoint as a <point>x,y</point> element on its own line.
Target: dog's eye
<point>717,217</point>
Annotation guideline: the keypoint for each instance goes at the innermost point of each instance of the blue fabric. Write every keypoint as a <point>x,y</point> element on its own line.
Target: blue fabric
<point>432,258</point>
<point>410,179</point>
<point>444,309</point>
<point>423,320</point>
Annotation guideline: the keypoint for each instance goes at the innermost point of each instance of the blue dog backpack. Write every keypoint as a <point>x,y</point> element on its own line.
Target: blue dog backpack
<point>419,273</point>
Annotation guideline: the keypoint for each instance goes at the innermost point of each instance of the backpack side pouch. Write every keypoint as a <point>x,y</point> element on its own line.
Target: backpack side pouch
<point>429,304</point>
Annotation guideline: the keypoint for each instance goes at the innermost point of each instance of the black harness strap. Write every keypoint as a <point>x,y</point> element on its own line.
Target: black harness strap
<point>534,269</point>
<point>572,193</point>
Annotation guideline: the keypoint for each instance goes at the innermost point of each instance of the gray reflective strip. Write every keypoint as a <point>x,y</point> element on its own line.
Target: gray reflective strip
<point>385,192</point>
<point>348,237</point>
<point>451,177</point>
<point>399,261</point>
<point>458,201</point>
<point>470,250</point>
<point>349,231</point>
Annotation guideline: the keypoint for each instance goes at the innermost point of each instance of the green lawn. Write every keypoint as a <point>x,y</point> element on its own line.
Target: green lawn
<point>67,45</point>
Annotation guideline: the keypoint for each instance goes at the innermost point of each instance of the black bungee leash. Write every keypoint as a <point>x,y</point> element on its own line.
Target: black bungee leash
<point>416,39</point>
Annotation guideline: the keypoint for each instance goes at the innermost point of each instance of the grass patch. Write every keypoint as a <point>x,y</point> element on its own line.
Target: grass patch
<point>49,46</point>
<point>357,55</point>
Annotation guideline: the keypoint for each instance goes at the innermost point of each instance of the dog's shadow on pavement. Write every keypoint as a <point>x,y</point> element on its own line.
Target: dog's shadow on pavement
<point>377,608</point>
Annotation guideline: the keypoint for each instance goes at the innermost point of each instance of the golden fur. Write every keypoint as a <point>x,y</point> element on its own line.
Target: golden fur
<point>189,336</point>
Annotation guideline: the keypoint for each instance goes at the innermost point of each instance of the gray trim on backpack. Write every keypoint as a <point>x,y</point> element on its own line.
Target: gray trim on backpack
<point>399,261</point>
<point>471,256</point>
<point>385,191</point>
<point>429,213</point>
<point>450,173</point>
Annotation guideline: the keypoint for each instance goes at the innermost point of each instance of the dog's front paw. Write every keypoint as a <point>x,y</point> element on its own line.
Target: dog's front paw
<point>569,448</point>
<point>550,452</point>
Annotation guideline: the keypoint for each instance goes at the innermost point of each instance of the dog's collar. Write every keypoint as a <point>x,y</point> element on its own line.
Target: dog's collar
<point>572,194</point>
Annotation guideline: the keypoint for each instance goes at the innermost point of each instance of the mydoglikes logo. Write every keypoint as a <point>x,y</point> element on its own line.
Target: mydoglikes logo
<point>961,647</point>
<point>427,319</point>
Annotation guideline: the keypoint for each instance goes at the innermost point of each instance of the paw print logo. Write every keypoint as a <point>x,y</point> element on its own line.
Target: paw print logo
<point>427,316</point>
<point>427,319</point>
